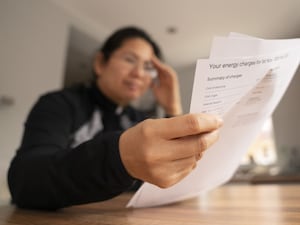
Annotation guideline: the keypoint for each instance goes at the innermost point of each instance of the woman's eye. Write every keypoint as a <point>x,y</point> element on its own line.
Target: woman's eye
<point>149,67</point>
<point>129,59</point>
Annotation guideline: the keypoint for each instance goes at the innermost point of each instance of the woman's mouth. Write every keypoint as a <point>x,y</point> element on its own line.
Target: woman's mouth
<point>133,86</point>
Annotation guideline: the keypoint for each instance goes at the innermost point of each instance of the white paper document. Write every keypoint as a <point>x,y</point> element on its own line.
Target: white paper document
<point>242,81</point>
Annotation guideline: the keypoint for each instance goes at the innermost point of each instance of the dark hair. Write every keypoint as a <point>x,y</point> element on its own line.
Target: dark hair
<point>116,39</point>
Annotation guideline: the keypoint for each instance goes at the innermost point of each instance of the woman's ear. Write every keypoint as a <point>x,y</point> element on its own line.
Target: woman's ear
<point>98,64</point>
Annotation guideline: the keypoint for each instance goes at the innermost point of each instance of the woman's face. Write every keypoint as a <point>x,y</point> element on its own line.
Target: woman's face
<point>127,73</point>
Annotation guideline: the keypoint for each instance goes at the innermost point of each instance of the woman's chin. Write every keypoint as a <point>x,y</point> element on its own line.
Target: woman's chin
<point>130,97</point>
<point>133,94</point>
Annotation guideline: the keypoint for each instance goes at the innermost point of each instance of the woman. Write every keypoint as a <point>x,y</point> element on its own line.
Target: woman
<point>87,144</point>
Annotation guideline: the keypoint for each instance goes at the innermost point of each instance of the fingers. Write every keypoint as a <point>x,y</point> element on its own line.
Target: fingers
<point>163,151</point>
<point>158,64</point>
<point>163,69</point>
<point>198,156</point>
<point>172,172</point>
<point>190,146</point>
<point>186,125</point>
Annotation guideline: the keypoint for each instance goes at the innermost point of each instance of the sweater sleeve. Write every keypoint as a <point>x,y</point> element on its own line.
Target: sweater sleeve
<point>47,174</point>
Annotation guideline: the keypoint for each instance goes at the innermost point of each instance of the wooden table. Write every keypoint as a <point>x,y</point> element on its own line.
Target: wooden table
<point>233,204</point>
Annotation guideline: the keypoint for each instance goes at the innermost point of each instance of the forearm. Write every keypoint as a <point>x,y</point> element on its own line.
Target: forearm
<point>166,89</point>
<point>50,179</point>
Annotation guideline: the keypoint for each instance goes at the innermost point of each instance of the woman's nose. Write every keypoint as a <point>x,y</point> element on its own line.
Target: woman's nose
<point>138,71</point>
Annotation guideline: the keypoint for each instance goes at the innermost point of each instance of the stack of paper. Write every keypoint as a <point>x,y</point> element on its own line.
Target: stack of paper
<point>243,81</point>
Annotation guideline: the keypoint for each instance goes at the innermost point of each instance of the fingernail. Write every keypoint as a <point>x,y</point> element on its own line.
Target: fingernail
<point>219,121</point>
<point>198,156</point>
<point>211,137</point>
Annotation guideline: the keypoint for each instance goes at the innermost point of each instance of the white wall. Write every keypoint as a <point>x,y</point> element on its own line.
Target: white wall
<point>33,43</point>
<point>33,46</point>
<point>186,79</point>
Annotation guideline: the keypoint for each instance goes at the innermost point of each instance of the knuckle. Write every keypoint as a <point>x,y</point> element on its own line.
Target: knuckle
<point>159,179</point>
<point>147,128</point>
<point>164,183</point>
<point>211,138</point>
<point>198,156</point>
<point>167,181</point>
<point>192,123</point>
<point>203,143</point>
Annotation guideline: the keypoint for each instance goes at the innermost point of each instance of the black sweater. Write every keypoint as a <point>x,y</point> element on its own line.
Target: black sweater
<point>69,152</point>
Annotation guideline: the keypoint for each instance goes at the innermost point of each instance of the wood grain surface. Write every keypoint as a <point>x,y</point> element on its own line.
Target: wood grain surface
<point>233,204</point>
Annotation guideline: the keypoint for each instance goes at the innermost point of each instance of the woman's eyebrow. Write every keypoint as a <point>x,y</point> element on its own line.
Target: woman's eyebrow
<point>148,62</point>
<point>131,54</point>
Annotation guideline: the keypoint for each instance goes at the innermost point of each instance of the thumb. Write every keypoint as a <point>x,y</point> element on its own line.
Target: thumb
<point>186,125</point>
